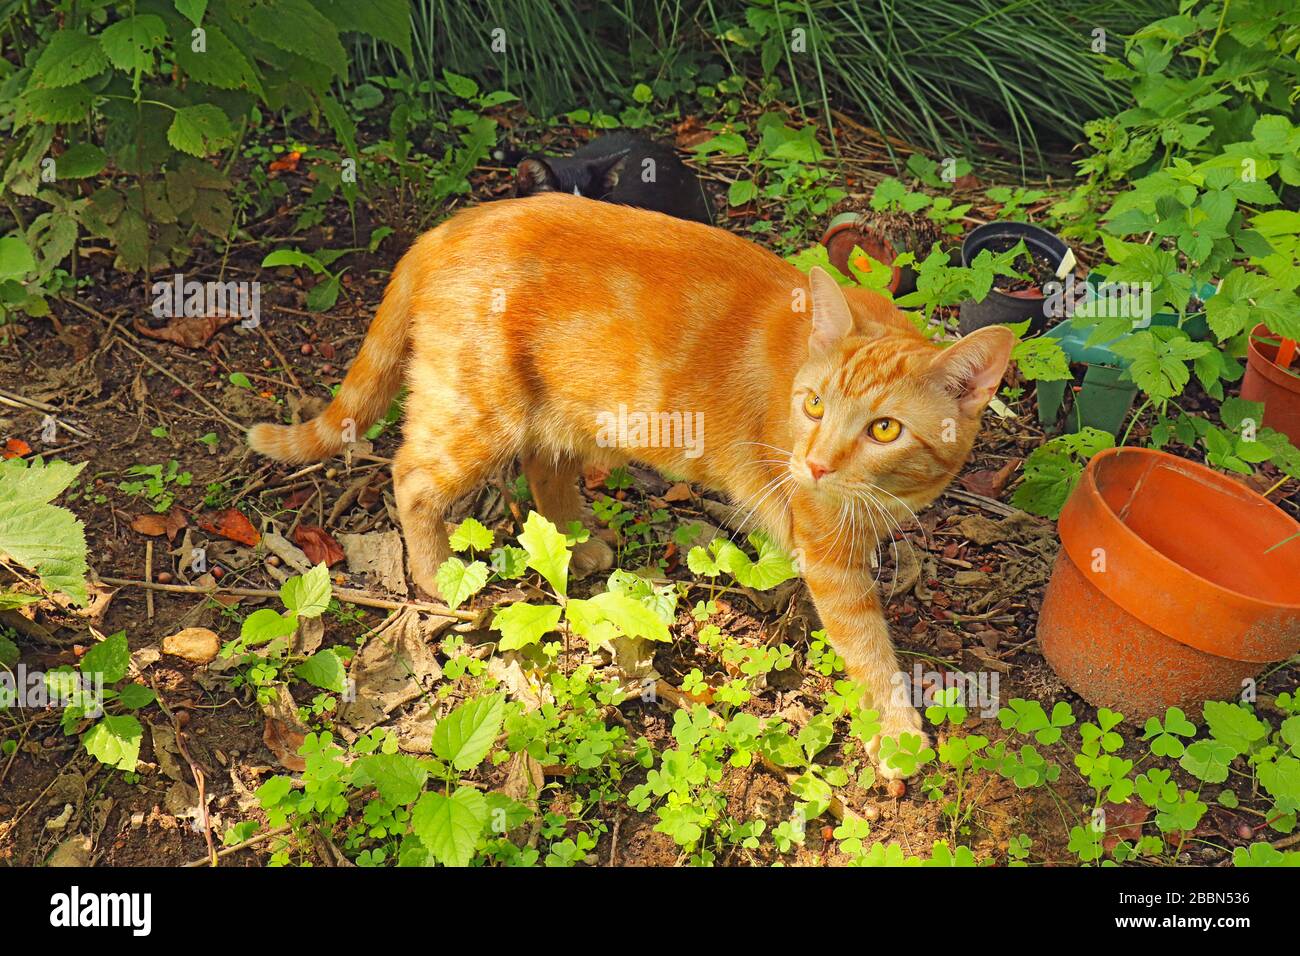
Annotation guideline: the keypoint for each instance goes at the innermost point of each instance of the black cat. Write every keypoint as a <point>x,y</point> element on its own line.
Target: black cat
<point>620,168</point>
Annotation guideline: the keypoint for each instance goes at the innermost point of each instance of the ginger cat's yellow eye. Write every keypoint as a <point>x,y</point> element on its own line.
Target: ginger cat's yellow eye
<point>812,406</point>
<point>885,430</point>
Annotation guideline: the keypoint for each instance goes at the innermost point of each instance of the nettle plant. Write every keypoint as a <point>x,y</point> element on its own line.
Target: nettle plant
<point>264,649</point>
<point>1206,156</point>
<point>786,165</point>
<point>140,96</point>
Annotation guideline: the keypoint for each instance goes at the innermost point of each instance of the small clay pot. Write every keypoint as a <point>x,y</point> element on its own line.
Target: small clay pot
<point>1173,585</point>
<point>1269,382</point>
<point>845,232</point>
<point>1001,308</point>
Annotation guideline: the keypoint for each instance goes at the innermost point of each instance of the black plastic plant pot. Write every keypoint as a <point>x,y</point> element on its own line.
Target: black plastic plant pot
<point>1000,307</point>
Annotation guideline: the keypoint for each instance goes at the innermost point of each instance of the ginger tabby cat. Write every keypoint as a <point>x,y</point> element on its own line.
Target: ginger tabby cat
<point>518,326</point>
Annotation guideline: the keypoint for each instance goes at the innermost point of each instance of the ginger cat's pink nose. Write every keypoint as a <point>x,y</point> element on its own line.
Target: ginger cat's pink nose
<point>818,471</point>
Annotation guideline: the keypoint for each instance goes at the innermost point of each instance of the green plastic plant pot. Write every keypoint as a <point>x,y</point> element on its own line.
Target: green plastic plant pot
<point>1104,399</point>
<point>1195,325</point>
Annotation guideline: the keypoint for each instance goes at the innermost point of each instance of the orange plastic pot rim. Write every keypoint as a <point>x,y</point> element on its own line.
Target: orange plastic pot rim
<point>1266,366</point>
<point>1154,554</point>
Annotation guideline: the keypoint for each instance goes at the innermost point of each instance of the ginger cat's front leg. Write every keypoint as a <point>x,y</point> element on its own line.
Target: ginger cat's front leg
<point>851,612</point>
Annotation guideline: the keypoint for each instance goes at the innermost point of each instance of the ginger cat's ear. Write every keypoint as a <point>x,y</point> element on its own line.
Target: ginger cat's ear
<point>831,318</point>
<point>971,368</point>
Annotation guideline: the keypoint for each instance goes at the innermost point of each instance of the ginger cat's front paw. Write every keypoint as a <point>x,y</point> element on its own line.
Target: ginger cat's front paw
<point>590,556</point>
<point>904,720</point>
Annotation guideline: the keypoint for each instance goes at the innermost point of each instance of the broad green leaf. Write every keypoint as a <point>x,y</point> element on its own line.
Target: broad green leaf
<point>115,740</point>
<point>109,659</point>
<point>464,737</point>
<point>308,595</point>
<point>451,826</point>
<point>136,696</point>
<point>129,43</point>
<point>192,10</point>
<point>266,624</point>
<point>458,581</point>
<point>398,777</point>
<point>44,537</point>
<point>471,533</point>
<point>15,258</point>
<point>200,130</point>
<point>69,57</point>
<point>297,26</point>
<point>324,669</point>
<point>548,552</point>
<point>524,624</point>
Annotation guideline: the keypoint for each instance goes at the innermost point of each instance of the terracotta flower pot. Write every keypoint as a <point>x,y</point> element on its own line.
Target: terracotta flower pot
<point>845,232</point>
<point>1267,380</point>
<point>1170,588</point>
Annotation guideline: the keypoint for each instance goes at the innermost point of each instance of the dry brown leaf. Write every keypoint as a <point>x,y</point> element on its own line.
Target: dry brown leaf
<point>191,331</point>
<point>678,492</point>
<point>149,524</point>
<point>990,483</point>
<point>175,523</point>
<point>232,525</point>
<point>318,544</point>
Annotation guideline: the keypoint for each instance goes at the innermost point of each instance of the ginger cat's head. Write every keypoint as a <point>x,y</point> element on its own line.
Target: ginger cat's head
<point>880,415</point>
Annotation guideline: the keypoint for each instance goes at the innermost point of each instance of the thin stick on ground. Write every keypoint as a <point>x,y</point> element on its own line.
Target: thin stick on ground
<point>343,594</point>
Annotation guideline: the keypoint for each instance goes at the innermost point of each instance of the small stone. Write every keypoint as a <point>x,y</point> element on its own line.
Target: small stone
<point>164,577</point>
<point>895,788</point>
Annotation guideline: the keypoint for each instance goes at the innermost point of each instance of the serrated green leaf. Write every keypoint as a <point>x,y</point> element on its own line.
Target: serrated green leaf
<point>523,624</point>
<point>200,130</point>
<point>548,552</point>
<point>324,669</point>
<point>308,595</point>
<point>450,827</point>
<point>69,57</point>
<point>471,533</point>
<point>458,581</point>
<point>129,43</point>
<point>109,659</point>
<point>399,778</point>
<point>115,740</point>
<point>464,737</point>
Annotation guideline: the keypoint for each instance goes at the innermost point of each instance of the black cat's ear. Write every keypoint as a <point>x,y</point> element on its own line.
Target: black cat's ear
<point>607,171</point>
<point>535,175</point>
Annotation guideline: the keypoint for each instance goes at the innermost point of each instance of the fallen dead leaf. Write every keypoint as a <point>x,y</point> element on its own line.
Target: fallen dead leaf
<point>318,544</point>
<point>395,666</point>
<point>16,448</point>
<point>378,555</point>
<point>166,753</point>
<point>176,522</point>
<point>190,331</point>
<point>989,483</point>
<point>232,525</point>
<point>283,735</point>
<point>1124,822</point>
<point>149,524</point>
<point>678,492</point>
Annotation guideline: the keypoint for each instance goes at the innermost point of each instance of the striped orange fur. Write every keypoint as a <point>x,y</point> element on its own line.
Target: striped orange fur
<point>512,350</point>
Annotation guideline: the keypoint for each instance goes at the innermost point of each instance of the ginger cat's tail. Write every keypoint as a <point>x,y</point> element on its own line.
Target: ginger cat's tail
<point>364,396</point>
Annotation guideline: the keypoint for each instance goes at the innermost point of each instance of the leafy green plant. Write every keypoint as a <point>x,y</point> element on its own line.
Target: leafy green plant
<point>146,92</point>
<point>37,534</point>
